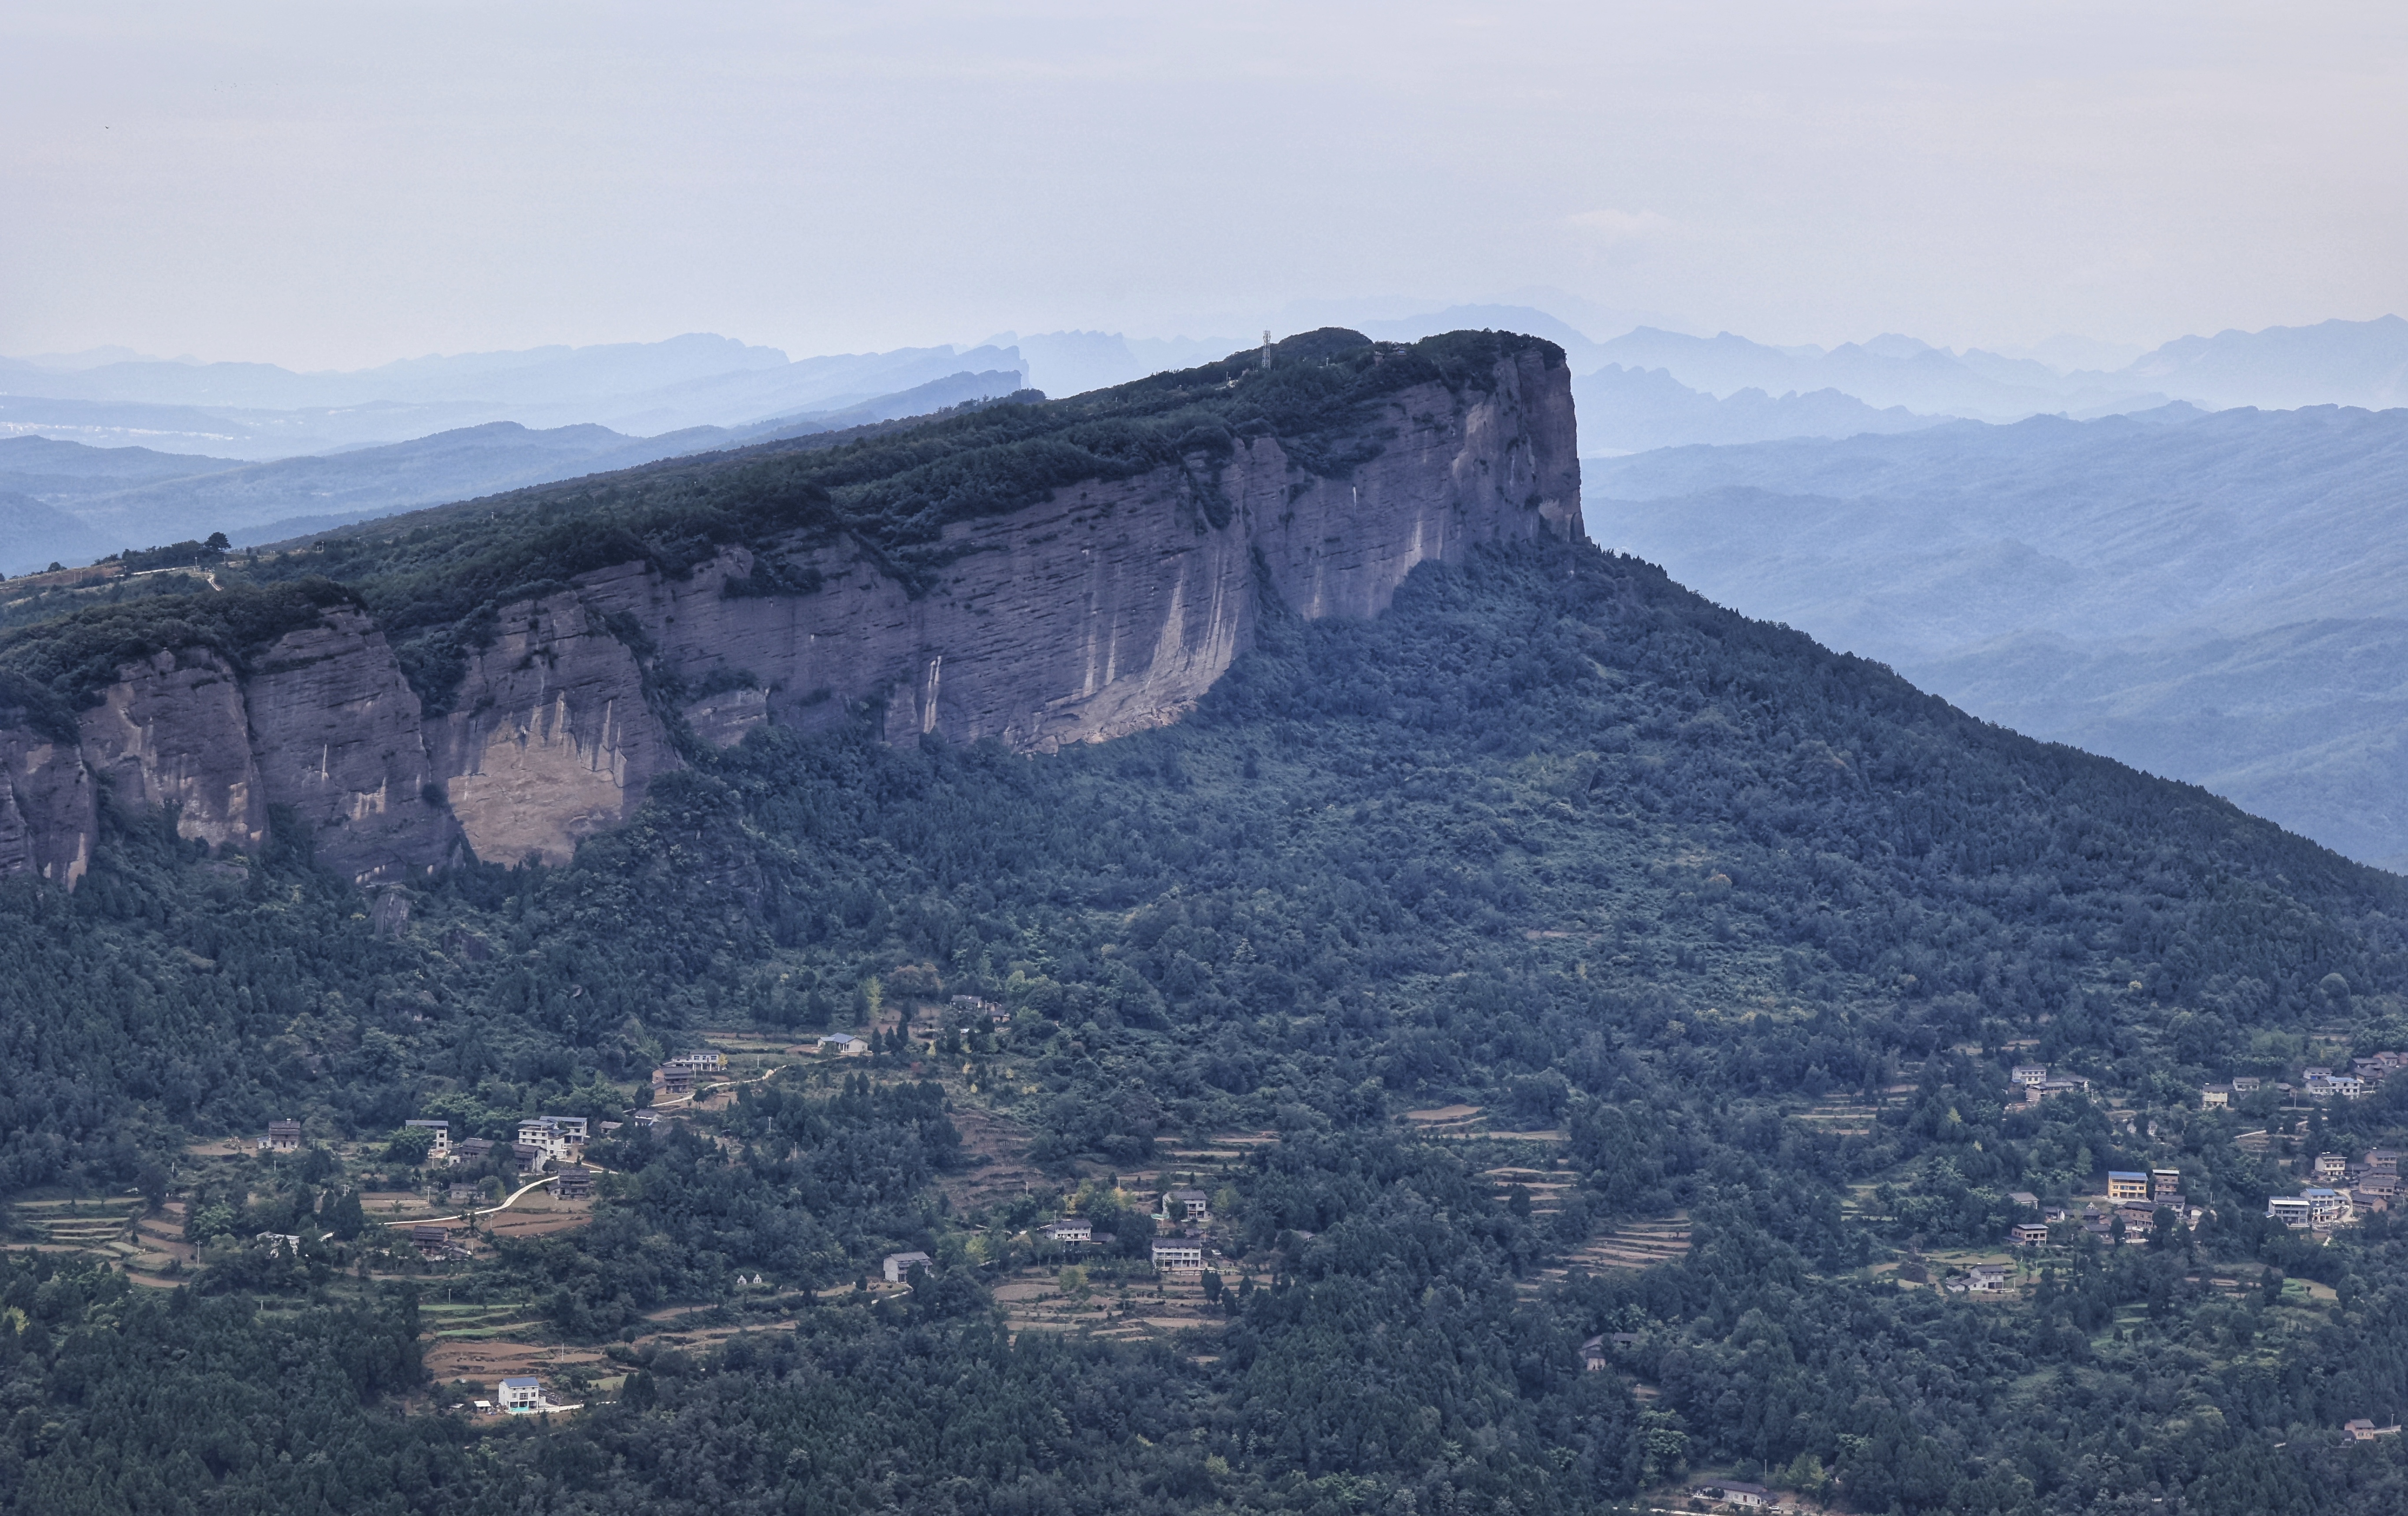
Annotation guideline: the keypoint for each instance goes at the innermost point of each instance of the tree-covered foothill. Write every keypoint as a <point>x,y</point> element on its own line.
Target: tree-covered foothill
<point>1756,927</point>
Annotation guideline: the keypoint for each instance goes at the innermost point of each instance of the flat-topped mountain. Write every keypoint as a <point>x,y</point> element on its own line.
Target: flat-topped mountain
<point>507,677</point>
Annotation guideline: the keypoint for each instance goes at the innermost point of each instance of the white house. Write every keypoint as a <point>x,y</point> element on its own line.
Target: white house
<point>899,1264</point>
<point>1177,1255</point>
<point>1072,1229</point>
<point>439,1150</point>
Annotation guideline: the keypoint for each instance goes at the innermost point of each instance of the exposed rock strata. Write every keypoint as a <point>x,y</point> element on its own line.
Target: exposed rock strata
<point>1107,609</point>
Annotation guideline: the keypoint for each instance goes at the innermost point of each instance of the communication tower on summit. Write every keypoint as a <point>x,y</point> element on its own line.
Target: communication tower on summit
<point>1266,347</point>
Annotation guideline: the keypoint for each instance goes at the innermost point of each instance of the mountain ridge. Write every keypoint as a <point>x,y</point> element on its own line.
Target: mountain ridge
<point>1038,573</point>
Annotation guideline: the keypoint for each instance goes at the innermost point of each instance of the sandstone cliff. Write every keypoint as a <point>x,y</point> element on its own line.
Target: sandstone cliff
<point>1105,608</point>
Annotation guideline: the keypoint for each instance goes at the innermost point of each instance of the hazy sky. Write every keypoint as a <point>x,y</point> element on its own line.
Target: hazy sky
<point>329,183</point>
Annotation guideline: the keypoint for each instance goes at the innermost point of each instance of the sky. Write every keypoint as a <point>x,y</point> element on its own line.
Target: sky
<point>336,184</point>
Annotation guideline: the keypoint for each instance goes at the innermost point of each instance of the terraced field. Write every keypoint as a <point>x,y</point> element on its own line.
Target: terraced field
<point>1156,1308</point>
<point>103,1227</point>
<point>1633,1245</point>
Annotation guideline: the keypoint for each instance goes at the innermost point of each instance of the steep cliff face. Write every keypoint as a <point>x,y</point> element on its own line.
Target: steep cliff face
<point>172,732</point>
<point>553,738</point>
<point>49,813</point>
<point>1106,607</point>
<point>336,734</point>
<point>321,721</point>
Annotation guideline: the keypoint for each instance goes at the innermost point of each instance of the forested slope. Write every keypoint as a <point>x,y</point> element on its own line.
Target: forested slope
<point>1552,837</point>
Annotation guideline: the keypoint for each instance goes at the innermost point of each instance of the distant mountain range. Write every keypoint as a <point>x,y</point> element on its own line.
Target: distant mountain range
<point>1627,411</point>
<point>2220,597</point>
<point>2336,363</point>
<point>259,412</point>
<point>278,447</point>
<point>69,502</point>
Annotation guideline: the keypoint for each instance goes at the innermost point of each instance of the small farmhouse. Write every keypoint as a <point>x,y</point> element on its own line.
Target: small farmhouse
<point>1185,1206</point>
<point>439,1149</point>
<point>282,1136</point>
<point>2123,1185</point>
<point>1736,1492</point>
<point>899,1264</point>
<point>1179,1255</point>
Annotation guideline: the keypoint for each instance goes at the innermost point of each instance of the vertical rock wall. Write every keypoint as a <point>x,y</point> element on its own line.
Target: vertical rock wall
<point>1106,609</point>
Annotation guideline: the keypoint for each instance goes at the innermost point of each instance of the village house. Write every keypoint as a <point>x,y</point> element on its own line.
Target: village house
<point>2216,1097</point>
<point>2330,1166</point>
<point>524,1396</point>
<point>2290,1209</point>
<point>2126,1185</point>
<point>2247,1085</point>
<point>2028,1234</point>
<point>899,1264</point>
<point>2326,1207</point>
<point>2363,1430</point>
<point>1736,1492</point>
<point>474,1150</point>
<point>2382,1158</point>
<point>561,1138</point>
<point>1179,1255</point>
<point>2165,1183</point>
<point>433,1243</point>
<point>672,1082</point>
<point>699,1060</point>
<point>282,1136</point>
<point>644,1120</point>
<point>994,1014</point>
<point>2056,1086</point>
<point>2329,1086</point>
<point>439,1149</point>
<point>1072,1229</point>
<point>575,1182</point>
<point>843,1044</point>
<point>273,1240</point>
<point>528,1158</point>
<point>1187,1205</point>
<point>2381,1066</point>
<point>461,1195</point>
<point>2025,1199</point>
<point>2030,1073</point>
<point>1594,1356</point>
<point>2367,1201</point>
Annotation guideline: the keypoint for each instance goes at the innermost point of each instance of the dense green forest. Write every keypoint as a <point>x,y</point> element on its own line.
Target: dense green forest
<point>1729,926</point>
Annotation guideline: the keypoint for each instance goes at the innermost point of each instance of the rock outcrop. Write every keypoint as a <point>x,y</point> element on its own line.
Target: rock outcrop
<point>1106,609</point>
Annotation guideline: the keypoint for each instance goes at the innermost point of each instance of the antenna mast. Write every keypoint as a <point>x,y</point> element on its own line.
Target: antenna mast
<point>1266,347</point>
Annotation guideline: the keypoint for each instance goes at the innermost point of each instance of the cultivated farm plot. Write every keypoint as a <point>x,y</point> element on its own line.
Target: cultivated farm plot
<point>1547,1187</point>
<point>997,1151</point>
<point>104,1228</point>
<point>1840,1116</point>
<point>1158,1307</point>
<point>538,1215</point>
<point>1633,1245</point>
